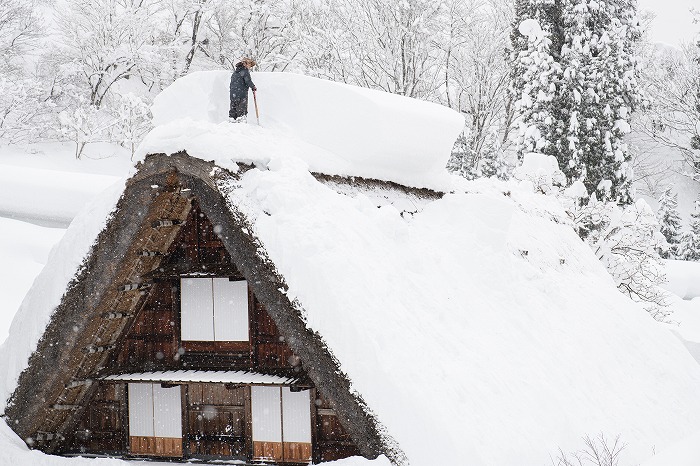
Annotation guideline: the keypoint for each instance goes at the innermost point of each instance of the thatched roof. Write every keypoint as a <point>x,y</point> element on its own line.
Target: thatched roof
<point>77,341</point>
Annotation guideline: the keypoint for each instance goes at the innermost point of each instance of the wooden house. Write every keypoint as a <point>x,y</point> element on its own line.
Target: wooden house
<point>176,340</point>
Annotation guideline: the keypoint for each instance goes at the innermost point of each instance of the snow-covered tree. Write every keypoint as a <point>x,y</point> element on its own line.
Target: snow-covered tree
<point>379,44</point>
<point>474,70</point>
<point>672,81</point>
<point>689,247</point>
<point>20,29</point>
<point>462,160</point>
<point>670,222</point>
<point>600,76</point>
<point>493,160</point>
<point>84,124</point>
<point>624,238</point>
<point>535,77</point>
<point>24,99</point>
<point>266,30</point>
<point>575,77</point>
<point>132,121</point>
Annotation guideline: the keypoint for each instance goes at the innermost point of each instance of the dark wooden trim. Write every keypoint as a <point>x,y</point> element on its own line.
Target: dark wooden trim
<point>185,419</point>
<point>249,422</point>
<point>125,416</point>
<point>315,453</point>
<point>215,346</point>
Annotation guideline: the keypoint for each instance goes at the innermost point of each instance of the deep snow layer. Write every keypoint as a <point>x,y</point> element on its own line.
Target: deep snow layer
<point>478,329</point>
<point>353,131</point>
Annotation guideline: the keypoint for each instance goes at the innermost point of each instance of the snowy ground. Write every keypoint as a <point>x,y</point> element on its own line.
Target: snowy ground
<point>44,187</point>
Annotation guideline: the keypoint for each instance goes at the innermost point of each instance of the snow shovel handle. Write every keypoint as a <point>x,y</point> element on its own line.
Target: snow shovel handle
<point>257,113</point>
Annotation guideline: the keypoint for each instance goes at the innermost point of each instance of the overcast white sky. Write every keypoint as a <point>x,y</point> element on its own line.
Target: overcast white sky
<point>673,22</point>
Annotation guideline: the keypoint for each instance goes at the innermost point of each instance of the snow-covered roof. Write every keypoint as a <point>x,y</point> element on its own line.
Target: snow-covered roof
<point>474,323</point>
<point>334,128</point>
<point>185,376</point>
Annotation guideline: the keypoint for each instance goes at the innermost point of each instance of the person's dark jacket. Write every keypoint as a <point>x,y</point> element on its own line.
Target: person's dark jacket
<point>240,83</point>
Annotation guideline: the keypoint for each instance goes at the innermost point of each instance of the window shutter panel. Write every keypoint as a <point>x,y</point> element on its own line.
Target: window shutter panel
<point>230,310</point>
<point>196,309</point>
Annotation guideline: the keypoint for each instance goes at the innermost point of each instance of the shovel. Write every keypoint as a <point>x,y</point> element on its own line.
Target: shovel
<point>257,113</point>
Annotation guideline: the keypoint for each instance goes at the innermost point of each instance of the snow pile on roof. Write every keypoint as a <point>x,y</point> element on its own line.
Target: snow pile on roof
<point>480,328</point>
<point>336,128</point>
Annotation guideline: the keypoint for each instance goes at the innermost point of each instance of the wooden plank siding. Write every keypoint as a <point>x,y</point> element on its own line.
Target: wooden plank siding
<point>331,440</point>
<point>101,427</point>
<point>152,342</point>
<point>216,418</point>
<point>156,446</point>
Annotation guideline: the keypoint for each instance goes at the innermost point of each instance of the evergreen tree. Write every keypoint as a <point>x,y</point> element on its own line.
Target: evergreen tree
<point>670,222</point>
<point>689,248</point>
<point>535,76</point>
<point>493,161</point>
<point>576,88</point>
<point>462,159</point>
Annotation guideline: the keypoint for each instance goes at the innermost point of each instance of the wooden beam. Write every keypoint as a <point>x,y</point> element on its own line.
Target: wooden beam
<point>116,315</point>
<point>166,222</point>
<point>134,286</point>
<point>97,349</point>
<point>78,383</point>
<point>147,253</point>
<point>60,407</point>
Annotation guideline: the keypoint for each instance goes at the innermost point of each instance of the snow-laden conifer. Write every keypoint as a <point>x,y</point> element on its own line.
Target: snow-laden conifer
<point>535,76</point>
<point>689,247</point>
<point>575,81</point>
<point>600,84</point>
<point>670,222</point>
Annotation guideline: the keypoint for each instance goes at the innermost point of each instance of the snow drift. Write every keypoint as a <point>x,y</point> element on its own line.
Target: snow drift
<point>481,328</point>
<point>374,134</point>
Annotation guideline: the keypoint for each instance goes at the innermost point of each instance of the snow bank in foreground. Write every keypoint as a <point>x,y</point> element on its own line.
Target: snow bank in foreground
<point>373,134</point>
<point>482,328</point>
<point>48,288</point>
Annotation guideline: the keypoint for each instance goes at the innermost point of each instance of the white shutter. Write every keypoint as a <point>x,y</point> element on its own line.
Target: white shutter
<point>230,310</point>
<point>296,415</point>
<point>196,309</point>
<point>140,410</point>
<point>167,412</point>
<point>266,413</point>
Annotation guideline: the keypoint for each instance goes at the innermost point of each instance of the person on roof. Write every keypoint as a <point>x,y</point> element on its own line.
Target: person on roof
<point>238,89</point>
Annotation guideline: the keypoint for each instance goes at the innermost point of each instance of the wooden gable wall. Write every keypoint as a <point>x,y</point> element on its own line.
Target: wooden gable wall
<point>216,420</point>
<point>153,340</point>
